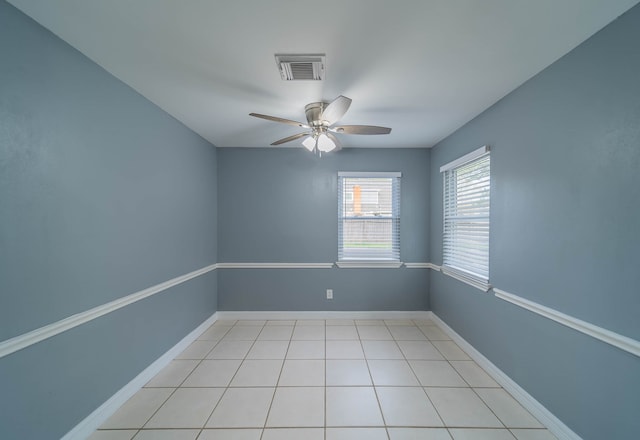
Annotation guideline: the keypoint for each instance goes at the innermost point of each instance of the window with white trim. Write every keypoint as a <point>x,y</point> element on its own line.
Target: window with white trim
<point>466,197</point>
<point>369,216</point>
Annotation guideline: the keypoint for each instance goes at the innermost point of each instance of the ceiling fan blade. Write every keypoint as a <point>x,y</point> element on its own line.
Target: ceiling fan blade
<point>281,120</point>
<point>360,129</point>
<point>335,141</point>
<point>290,138</point>
<point>336,109</point>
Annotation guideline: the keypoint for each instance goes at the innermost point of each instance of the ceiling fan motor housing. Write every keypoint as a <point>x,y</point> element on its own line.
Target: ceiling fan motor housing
<point>313,111</point>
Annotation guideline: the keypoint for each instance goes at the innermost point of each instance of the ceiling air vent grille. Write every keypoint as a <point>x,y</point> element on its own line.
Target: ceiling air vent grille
<point>301,67</point>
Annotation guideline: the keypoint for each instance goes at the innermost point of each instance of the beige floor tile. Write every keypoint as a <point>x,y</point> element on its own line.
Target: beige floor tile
<point>119,434</point>
<point>197,350</point>
<point>461,407</point>
<point>406,333</point>
<point>302,372</point>
<point>173,374</point>
<point>257,373</point>
<point>533,434</point>
<point>215,332</point>
<point>268,350</point>
<point>230,350</point>
<point>407,406</point>
<point>341,332</point>
<point>242,333</point>
<point>434,333</point>
<point>420,350</point>
<point>168,434</point>
<point>357,434</point>
<point>344,350</point>
<point>293,434</point>
<point>374,332</point>
<point>450,351</point>
<point>230,434</point>
<point>419,434</point>
<point>351,372</point>
<point>437,374</point>
<point>369,322</point>
<point>306,350</point>
<point>138,409</point>
<point>212,373</point>
<point>392,373</point>
<point>309,333</point>
<point>474,375</point>
<point>398,322</point>
<point>510,412</point>
<point>302,322</point>
<point>276,333</point>
<point>481,434</point>
<point>381,350</point>
<point>353,406</point>
<point>186,408</point>
<point>297,407</point>
<point>242,408</point>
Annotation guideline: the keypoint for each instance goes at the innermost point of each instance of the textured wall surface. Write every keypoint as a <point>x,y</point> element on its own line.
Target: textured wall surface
<point>95,186</point>
<point>565,217</point>
<point>281,205</point>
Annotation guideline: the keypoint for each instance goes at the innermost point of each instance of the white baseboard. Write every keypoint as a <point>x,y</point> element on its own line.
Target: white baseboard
<point>289,315</point>
<point>93,421</point>
<point>553,424</point>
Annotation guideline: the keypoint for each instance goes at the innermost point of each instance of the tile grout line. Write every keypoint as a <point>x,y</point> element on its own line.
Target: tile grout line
<point>234,374</point>
<point>373,385</point>
<point>422,386</point>
<point>264,426</point>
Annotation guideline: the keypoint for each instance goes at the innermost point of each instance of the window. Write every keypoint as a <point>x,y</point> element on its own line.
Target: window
<point>466,199</point>
<point>369,216</point>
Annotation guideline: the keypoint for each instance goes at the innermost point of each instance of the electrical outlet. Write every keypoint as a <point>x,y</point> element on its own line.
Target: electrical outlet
<point>329,293</point>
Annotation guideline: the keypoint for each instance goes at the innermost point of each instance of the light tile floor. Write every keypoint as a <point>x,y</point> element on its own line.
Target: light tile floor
<point>337,379</point>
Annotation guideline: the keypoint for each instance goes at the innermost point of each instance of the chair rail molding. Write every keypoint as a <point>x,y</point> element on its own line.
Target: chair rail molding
<point>275,265</point>
<point>45,332</point>
<point>617,340</point>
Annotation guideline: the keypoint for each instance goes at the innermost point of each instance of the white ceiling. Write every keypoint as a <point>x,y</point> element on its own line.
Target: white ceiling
<point>422,67</point>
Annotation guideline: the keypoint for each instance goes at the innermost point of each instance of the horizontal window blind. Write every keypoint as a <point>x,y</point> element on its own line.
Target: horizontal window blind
<point>369,216</point>
<point>467,220</point>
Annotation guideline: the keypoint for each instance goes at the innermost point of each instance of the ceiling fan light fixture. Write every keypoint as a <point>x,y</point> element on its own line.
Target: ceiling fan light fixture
<point>325,144</point>
<point>309,143</point>
<point>320,119</point>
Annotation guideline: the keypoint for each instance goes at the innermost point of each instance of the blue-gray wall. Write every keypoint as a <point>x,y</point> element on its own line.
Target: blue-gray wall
<point>280,205</point>
<point>565,232</point>
<point>102,194</point>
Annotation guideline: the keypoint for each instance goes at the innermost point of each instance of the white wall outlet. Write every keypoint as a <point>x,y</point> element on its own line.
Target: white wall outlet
<point>329,293</point>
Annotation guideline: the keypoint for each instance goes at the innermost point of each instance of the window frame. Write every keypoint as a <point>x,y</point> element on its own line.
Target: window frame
<point>455,265</point>
<point>364,260</point>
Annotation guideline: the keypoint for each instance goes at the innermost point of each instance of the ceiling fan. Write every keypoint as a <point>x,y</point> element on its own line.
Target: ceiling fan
<point>321,116</point>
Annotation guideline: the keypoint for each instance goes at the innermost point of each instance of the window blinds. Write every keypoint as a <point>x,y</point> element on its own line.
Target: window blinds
<point>466,218</point>
<point>369,216</point>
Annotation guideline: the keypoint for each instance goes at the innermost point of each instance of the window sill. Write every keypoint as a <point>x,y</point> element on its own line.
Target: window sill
<point>368,264</point>
<point>474,281</point>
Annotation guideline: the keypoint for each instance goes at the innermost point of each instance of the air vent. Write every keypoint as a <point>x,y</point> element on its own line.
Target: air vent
<point>301,67</point>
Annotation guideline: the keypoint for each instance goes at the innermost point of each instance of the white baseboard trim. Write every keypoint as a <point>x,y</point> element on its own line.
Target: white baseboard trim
<point>93,421</point>
<point>617,340</point>
<point>290,315</point>
<point>553,424</point>
<point>45,332</point>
